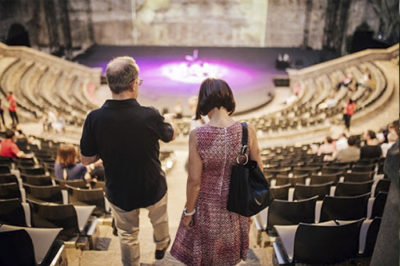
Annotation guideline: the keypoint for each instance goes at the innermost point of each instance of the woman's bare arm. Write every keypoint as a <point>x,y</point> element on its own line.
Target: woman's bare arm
<point>253,145</point>
<point>195,168</point>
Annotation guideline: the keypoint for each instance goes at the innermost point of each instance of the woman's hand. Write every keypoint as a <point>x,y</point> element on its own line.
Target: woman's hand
<point>188,221</point>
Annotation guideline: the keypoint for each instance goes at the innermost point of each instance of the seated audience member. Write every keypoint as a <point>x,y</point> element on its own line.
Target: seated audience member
<point>9,148</point>
<point>386,146</point>
<point>341,142</point>
<point>371,148</point>
<point>329,147</point>
<point>96,171</point>
<point>349,154</point>
<point>66,166</point>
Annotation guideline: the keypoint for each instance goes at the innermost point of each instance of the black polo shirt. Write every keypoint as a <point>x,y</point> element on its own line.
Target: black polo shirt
<point>125,135</point>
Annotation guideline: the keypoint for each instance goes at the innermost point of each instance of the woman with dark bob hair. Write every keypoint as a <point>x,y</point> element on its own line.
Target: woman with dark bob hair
<point>209,234</point>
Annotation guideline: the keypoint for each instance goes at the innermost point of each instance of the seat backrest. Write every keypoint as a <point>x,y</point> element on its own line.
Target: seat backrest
<point>44,193</point>
<point>379,205</point>
<point>8,178</point>
<point>39,180</point>
<point>358,176</point>
<point>353,188</point>
<point>372,235</point>
<point>16,248</point>
<point>9,191</point>
<point>79,196</point>
<point>307,191</point>
<point>12,212</point>
<point>326,244</point>
<point>280,192</point>
<point>73,183</point>
<point>363,168</point>
<point>51,215</point>
<point>305,170</point>
<point>283,180</point>
<point>382,186</point>
<point>344,208</point>
<point>32,170</point>
<point>4,169</point>
<point>282,212</point>
<point>323,178</point>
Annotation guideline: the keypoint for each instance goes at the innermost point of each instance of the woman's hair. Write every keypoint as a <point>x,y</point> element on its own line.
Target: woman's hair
<point>329,139</point>
<point>351,100</point>
<point>214,93</point>
<point>66,155</point>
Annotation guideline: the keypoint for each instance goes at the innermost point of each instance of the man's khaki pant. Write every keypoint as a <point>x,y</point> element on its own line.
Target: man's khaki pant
<point>127,223</point>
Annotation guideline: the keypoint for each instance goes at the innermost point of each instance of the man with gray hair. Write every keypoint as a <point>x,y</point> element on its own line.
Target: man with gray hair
<point>125,135</point>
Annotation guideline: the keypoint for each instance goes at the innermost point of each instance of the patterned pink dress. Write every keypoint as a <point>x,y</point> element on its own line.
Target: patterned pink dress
<point>219,237</point>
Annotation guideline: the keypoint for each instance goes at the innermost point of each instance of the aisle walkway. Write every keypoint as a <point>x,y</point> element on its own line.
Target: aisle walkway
<point>176,199</point>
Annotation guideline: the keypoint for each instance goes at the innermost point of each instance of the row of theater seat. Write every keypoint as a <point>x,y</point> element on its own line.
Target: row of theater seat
<point>334,202</point>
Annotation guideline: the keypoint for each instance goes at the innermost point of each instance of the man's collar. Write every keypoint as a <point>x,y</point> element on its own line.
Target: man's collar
<point>121,103</point>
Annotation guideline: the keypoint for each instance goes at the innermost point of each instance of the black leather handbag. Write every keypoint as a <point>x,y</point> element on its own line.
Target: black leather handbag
<point>249,191</point>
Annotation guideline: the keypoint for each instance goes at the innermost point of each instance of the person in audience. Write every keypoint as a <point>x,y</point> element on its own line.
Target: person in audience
<point>346,81</point>
<point>208,233</point>
<point>386,146</point>
<point>328,147</point>
<point>2,114</point>
<point>371,148</point>
<point>349,154</point>
<point>66,166</point>
<point>9,148</point>
<point>21,139</point>
<point>125,136</point>
<point>12,108</point>
<point>349,110</point>
<point>341,142</point>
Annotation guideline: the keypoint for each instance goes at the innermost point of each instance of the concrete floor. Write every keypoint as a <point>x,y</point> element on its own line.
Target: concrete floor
<point>176,179</point>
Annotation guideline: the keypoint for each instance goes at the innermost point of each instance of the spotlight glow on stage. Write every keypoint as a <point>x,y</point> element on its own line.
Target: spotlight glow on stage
<point>193,72</point>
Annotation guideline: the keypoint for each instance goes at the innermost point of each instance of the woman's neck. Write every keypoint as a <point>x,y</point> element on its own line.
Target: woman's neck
<point>220,117</point>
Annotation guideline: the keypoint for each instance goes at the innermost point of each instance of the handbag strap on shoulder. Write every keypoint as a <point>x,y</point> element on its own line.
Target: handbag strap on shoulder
<point>245,137</point>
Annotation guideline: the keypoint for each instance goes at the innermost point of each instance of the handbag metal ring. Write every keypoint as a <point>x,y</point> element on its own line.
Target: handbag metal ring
<point>246,161</point>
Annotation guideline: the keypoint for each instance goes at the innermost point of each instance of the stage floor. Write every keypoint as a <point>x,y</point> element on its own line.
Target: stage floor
<point>172,75</point>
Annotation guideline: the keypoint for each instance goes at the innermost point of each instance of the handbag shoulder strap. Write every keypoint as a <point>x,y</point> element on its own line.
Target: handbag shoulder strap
<point>245,137</point>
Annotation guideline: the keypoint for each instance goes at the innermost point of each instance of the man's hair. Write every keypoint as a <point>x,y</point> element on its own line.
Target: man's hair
<point>9,134</point>
<point>371,134</point>
<point>395,125</point>
<point>329,139</point>
<point>66,155</point>
<point>121,72</point>
<point>353,140</point>
<point>214,93</point>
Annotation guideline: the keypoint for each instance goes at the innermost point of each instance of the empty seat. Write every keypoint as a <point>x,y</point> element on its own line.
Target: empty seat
<point>353,189</point>
<point>39,180</point>
<point>30,246</point>
<point>4,169</point>
<point>333,169</point>
<point>8,178</point>
<point>305,192</point>
<point>284,180</point>
<point>379,205</point>
<point>371,236</point>
<point>305,170</point>
<point>44,193</point>
<point>317,244</point>
<point>12,212</point>
<point>324,178</point>
<point>9,191</point>
<point>382,186</point>
<point>344,208</point>
<point>282,212</point>
<point>363,168</point>
<point>16,248</point>
<point>72,183</point>
<point>80,196</point>
<point>33,170</point>
<point>358,176</point>
<point>275,172</point>
<point>280,192</point>
<point>49,215</point>
<point>73,219</point>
